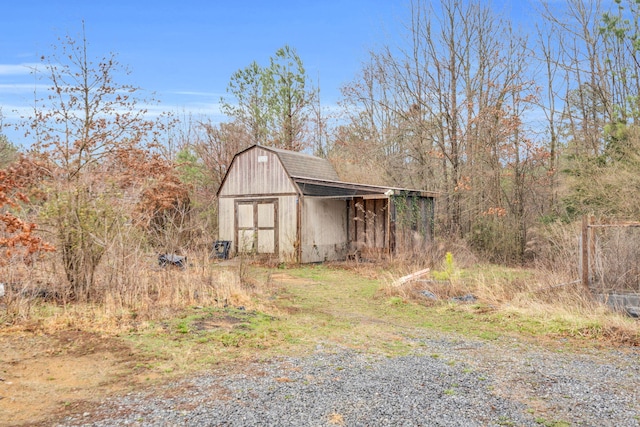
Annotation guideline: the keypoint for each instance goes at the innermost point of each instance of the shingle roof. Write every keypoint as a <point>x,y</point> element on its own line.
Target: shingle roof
<point>305,165</point>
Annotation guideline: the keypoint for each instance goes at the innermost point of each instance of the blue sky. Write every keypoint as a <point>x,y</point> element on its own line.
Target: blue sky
<point>185,51</point>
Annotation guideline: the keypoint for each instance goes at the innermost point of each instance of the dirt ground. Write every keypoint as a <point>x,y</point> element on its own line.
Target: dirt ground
<point>42,377</point>
<point>45,377</point>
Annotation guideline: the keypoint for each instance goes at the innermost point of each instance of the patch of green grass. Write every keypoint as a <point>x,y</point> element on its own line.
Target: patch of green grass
<point>489,335</point>
<point>200,337</point>
<point>395,301</point>
<point>552,423</point>
<point>347,308</point>
<point>182,327</point>
<point>504,421</point>
<point>315,272</point>
<point>395,348</point>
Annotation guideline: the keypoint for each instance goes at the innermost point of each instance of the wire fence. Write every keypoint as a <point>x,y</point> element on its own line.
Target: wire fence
<point>612,253</point>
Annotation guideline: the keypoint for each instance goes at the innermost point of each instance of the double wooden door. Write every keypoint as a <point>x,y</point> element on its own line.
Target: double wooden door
<point>257,226</point>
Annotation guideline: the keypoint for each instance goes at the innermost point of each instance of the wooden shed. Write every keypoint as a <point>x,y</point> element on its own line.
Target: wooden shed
<point>293,206</point>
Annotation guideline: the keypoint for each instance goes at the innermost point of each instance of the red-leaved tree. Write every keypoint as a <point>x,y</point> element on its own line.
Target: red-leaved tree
<point>17,235</point>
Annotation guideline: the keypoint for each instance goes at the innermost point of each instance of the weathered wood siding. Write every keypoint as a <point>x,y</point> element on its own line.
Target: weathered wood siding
<point>287,223</point>
<point>324,230</point>
<point>287,231</point>
<point>256,172</point>
<point>226,220</point>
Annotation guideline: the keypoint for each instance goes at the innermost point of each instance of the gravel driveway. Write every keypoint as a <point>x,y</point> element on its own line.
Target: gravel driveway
<point>442,382</point>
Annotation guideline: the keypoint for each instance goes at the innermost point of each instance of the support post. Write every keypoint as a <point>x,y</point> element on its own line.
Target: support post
<point>299,201</point>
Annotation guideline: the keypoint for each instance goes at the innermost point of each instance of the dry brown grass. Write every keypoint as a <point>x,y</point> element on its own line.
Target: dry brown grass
<point>121,300</point>
<point>134,291</point>
<point>536,301</point>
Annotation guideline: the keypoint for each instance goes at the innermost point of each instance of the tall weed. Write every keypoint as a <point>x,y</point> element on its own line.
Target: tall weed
<point>129,289</point>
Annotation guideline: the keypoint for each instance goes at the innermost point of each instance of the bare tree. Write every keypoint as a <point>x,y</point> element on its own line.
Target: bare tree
<point>85,125</point>
<point>444,111</point>
<point>587,97</point>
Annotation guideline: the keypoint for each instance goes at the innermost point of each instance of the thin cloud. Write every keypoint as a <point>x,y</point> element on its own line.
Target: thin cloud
<point>18,69</point>
<point>207,109</point>
<point>195,93</point>
<point>20,88</point>
<point>14,112</point>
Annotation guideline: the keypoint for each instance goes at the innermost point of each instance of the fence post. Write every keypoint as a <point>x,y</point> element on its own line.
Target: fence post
<point>592,249</point>
<point>584,247</point>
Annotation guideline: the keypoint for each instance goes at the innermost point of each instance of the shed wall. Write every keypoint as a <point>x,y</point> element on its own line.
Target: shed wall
<point>287,216</point>
<point>226,220</point>
<point>324,230</point>
<point>256,172</point>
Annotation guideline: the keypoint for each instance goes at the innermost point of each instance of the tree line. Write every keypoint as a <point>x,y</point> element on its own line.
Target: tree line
<point>514,128</point>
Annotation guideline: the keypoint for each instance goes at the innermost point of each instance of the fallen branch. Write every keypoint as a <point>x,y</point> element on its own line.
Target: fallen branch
<point>404,279</point>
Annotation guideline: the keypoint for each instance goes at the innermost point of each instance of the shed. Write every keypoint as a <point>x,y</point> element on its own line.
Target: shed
<point>293,206</point>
